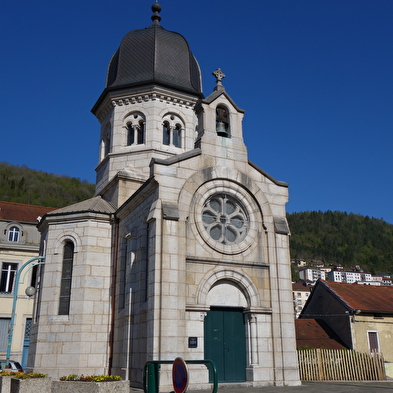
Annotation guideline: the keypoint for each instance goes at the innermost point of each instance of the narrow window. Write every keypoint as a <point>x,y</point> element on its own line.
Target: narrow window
<point>66,278</point>
<point>13,234</point>
<point>141,133</point>
<point>373,341</point>
<point>166,132</point>
<point>107,140</point>
<point>8,275</point>
<point>130,135</point>
<point>177,136</point>
<point>4,327</point>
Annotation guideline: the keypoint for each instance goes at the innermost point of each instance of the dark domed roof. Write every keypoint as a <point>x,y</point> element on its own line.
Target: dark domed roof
<point>154,55</point>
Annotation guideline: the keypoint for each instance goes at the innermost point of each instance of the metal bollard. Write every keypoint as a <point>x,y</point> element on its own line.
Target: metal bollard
<point>153,378</point>
<point>151,374</point>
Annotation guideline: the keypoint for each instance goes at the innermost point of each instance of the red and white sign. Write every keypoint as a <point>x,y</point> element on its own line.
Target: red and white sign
<point>179,375</point>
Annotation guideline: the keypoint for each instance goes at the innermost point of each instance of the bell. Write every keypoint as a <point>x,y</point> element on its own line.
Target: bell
<point>220,128</point>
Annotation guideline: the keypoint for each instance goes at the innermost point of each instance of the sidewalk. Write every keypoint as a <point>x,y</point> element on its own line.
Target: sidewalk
<point>306,387</point>
<point>311,387</point>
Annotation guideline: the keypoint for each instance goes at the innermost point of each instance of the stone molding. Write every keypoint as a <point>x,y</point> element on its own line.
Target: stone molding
<point>145,96</point>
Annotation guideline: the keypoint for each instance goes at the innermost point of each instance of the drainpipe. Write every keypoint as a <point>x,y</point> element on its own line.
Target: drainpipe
<point>113,300</point>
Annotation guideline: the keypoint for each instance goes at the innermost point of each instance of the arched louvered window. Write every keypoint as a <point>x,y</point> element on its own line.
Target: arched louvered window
<point>166,133</point>
<point>135,129</point>
<point>177,135</point>
<point>66,278</point>
<point>130,135</point>
<point>172,129</point>
<point>141,132</point>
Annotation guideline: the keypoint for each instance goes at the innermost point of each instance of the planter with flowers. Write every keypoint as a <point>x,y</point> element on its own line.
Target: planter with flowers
<point>91,384</point>
<point>30,383</point>
<point>5,381</point>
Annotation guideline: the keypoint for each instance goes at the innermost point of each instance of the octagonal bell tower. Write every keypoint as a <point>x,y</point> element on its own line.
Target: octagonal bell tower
<point>147,107</point>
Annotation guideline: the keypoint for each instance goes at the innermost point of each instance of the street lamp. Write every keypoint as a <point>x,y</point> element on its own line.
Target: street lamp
<point>29,292</point>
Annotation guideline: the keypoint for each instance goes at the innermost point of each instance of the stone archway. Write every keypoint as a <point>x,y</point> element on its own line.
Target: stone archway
<point>227,294</point>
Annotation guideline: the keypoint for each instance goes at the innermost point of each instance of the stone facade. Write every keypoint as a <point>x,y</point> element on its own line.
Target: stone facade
<point>78,340</point>
<point>183,229</point>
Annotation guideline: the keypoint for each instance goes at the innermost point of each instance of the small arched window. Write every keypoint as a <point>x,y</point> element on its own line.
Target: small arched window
<point>222,121</point>
<point>66,278</point>
<point>135,129</point>
<point>13,234</point>
<point>130,135</point>
<point>141,133</point>
<point>177,135</point>
<point>166,133</point>
<point>172,130</point>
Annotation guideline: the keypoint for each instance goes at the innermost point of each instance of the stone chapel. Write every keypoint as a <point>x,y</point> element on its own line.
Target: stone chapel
<point>183,250</point>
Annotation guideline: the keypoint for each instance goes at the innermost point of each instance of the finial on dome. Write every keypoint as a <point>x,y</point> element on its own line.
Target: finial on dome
<point>219,77</point>
<point>156,8</point>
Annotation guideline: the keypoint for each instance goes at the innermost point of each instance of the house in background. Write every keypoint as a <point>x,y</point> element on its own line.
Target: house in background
<point>309,274</point>
<point>301,292</point>
<point>361,315</point>
<point>19,242</point>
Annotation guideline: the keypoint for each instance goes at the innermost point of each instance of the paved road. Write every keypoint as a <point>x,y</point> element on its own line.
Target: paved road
<point>312,387</point>
<point>306,387</point>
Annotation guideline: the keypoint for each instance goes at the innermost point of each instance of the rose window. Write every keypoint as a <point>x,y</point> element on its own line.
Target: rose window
<point>225,219</point>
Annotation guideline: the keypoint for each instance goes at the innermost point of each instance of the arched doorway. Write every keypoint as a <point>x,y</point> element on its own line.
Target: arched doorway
<point>225,331</point>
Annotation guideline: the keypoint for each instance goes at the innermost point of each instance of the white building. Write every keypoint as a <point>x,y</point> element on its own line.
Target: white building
<point>312,275</point>
<point>349,277</point>
<point>184,250</point>
<point>300,295</point>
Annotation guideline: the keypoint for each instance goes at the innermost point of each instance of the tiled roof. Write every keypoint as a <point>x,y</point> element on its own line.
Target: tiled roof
<point>315,333</point>
<point>367,298</point>
<point>300,287</point>
<point>21,212</point>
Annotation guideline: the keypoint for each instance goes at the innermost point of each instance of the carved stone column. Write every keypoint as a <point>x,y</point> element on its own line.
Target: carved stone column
<point>253,339</point>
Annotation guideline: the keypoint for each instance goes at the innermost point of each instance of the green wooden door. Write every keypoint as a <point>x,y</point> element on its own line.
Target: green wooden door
<point>225,343</point>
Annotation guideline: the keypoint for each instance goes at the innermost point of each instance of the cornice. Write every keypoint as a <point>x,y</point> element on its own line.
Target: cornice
<point>114,100</point>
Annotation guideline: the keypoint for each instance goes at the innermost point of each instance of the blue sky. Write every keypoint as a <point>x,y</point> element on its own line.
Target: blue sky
<point>315,78</point>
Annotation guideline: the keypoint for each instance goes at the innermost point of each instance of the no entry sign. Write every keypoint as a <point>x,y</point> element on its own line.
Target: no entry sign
<point>179,375</point>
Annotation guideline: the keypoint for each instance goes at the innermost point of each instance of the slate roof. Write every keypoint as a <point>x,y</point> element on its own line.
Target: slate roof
<point>11,211</point>
<point>154,55</point>
<point>366,298</point>
<point>315,333</point>
<point>96,204</point>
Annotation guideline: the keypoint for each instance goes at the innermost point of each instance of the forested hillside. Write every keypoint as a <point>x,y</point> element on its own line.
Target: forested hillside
<point>347,239</point>
<point>332,237</point>
<point>23,185</point>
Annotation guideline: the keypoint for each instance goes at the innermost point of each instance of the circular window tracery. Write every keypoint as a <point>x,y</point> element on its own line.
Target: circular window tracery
<point>225,219</point>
